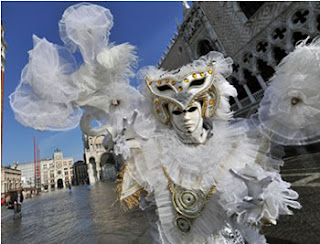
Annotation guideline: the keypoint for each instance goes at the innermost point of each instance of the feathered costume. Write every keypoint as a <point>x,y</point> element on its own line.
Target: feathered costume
<point>218,186</point>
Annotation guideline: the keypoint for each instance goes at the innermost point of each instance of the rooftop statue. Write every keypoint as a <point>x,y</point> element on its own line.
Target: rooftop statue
<point>201,176</point>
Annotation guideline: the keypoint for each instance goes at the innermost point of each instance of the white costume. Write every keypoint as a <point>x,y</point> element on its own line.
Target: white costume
<point>202,177</point>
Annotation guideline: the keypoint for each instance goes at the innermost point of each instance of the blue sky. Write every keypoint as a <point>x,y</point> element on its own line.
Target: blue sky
<point>147,25</point>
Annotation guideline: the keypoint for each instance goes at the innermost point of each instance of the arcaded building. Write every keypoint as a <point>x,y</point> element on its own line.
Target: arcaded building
<point>256,35</point>
<point>101,165</point>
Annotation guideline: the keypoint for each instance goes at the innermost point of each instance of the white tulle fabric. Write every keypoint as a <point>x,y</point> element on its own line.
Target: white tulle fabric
<point>45,96</point>
<point>86,27</point>
<point>202,166</point>
<point>297,80</point>
<point>53,91</point>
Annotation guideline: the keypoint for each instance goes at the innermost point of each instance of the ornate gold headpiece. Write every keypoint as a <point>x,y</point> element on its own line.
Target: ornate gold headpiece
<point>197,85</point>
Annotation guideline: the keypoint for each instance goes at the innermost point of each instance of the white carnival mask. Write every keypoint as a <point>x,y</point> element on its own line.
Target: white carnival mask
<point>186,120</point>
<point>196,86</point>
<point>188,123</point>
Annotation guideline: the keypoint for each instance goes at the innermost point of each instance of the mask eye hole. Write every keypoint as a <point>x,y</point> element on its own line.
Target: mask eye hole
<point>164,88</point>
<point>197,82</point>
<point>192,109</point>
<point>177,112</point>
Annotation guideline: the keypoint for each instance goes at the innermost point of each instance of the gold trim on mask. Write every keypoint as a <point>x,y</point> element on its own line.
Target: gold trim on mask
<point>211,93</point>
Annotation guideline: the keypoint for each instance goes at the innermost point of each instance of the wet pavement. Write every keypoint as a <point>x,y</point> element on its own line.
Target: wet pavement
<point>303,172</point>
<point>92,216</point>
<point>80,217</point>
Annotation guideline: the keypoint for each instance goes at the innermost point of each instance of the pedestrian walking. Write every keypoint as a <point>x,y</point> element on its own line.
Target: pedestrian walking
<point>88,183</point>
<point>70,188</point>
<point>17,199</point>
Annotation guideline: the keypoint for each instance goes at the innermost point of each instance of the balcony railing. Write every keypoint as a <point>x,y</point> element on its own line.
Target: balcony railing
<point>246,103</point>
<point>258,95</point>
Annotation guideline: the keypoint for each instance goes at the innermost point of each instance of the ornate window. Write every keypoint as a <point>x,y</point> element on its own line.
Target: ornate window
<point>279,33</point>
<point>300,17</point>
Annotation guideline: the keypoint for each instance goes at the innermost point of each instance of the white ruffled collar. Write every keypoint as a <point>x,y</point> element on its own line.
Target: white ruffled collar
<point>197,166</point>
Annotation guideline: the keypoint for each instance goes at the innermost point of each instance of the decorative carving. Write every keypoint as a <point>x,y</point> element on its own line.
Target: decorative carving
<point>279,33</point>
<point>300,17</point>
<point>262,46</point>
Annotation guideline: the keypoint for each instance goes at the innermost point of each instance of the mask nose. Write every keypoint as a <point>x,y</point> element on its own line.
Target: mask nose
<point>186,116</point>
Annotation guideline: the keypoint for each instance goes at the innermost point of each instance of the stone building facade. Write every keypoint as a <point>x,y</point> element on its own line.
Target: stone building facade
<point>100,164</point>
<point>256,35</point>
<point>10,179</point>
<point>27,174</point>
<point>56,172</point>
<point>80,173</point>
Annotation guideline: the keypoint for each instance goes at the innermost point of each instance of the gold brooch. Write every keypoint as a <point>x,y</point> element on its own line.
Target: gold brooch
<point>189,204</point>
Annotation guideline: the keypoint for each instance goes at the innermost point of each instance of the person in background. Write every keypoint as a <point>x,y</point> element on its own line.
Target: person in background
<point>17,199</point>
<point>70,188</point>
<point>88,183</point>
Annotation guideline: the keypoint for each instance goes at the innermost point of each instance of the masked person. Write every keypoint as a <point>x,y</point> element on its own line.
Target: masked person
<point>200,176</point>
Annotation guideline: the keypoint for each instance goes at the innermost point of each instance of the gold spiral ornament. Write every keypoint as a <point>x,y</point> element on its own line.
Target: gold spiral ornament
<point>189,203</point>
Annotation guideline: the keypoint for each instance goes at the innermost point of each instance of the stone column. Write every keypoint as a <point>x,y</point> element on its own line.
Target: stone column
<point>238,102</point>
<point>261,82</point>
<point>251,97</point>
